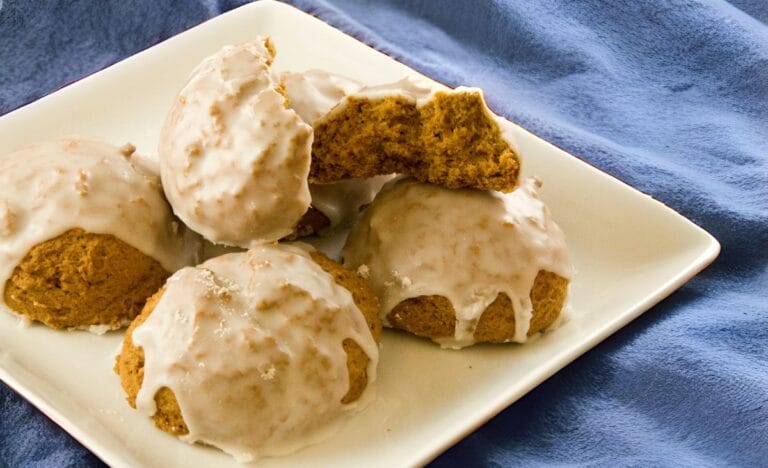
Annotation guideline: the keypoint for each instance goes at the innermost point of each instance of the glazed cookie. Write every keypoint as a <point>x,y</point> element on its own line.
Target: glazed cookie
<point>257,353</point>
<point>312,94</point>
<point>462,266</point>
<point>444,136</point>
<point>234,158</point>
<point>85,234</point>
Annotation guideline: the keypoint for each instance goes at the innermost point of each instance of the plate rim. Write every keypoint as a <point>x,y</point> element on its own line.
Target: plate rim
<point>706,256</point>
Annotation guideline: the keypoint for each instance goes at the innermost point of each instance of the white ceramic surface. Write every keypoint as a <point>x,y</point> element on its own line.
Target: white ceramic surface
<point>630,252</point>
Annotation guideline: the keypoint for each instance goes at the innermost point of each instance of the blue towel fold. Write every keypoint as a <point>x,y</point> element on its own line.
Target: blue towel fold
<point>669,96</point>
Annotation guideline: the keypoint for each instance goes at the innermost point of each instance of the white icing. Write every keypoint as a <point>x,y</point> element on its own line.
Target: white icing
<point>312,94</point>
<point>418,239</point>
<point>413,88</point>
<point>51,187</point>
<point>100,329</point>
<point>251,346</point>
<point>342,201</point>
<point>233,159</point>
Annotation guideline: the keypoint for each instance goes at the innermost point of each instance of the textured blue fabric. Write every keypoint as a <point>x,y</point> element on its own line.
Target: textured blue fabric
<point>669,96</point>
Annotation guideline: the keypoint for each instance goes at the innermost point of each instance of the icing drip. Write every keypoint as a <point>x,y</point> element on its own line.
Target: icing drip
<point>251,345</point>
<point>54,186</point>
<point>233,159</point>
<point>342,201</point>
<point>418,239</point>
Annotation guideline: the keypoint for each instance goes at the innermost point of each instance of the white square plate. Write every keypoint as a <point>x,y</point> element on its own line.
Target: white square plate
<point>630,252</point>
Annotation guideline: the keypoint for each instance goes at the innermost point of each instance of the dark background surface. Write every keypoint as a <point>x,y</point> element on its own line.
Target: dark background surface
<point>670,97</point>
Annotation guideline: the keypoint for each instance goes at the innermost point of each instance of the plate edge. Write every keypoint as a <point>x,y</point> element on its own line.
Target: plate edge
<point>707,255</point>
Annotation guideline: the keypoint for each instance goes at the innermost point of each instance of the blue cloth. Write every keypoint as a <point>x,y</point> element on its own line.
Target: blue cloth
<point>669,96</point>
